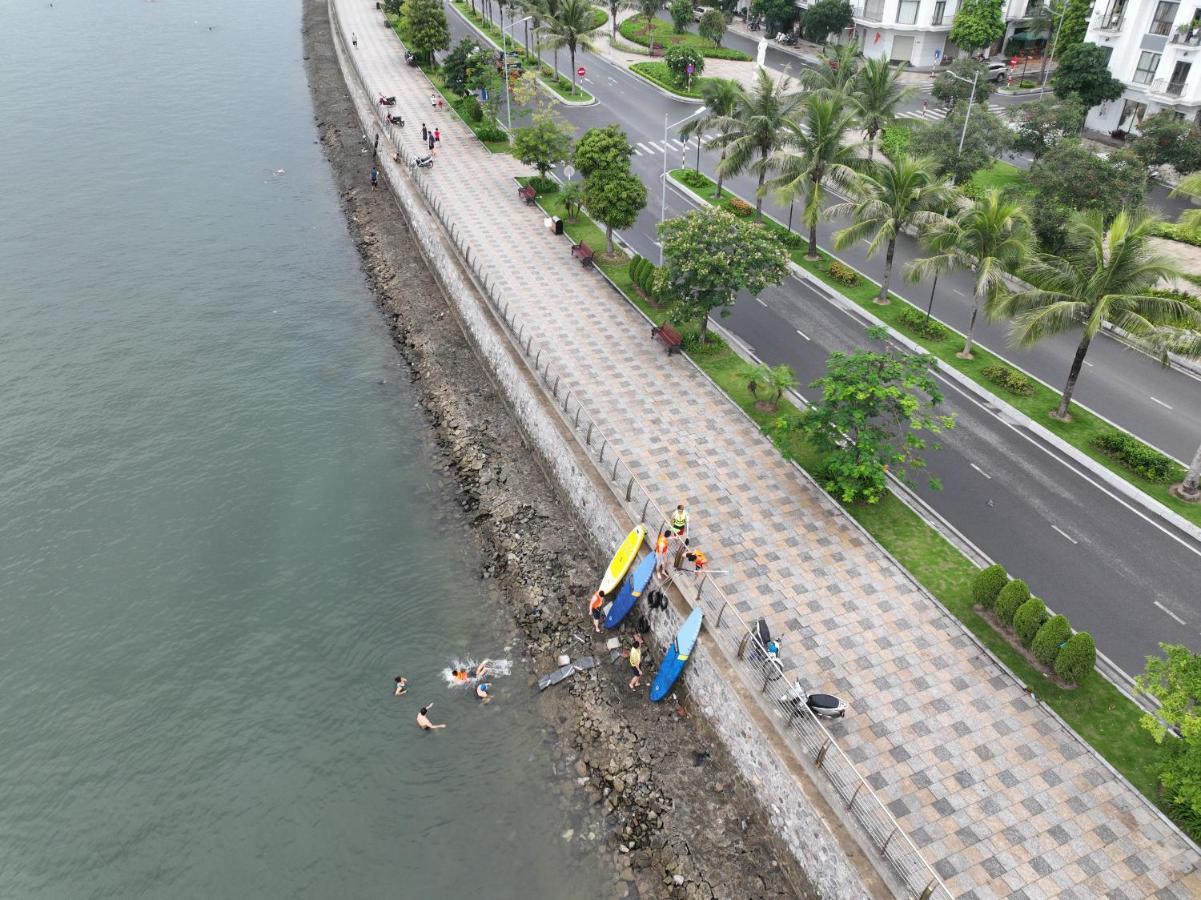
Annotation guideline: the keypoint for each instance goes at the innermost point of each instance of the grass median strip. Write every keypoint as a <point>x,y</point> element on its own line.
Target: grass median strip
<point>1097,711</point>
<point>658,73</point>
<point>1082,432</point>
<point>635,30</point>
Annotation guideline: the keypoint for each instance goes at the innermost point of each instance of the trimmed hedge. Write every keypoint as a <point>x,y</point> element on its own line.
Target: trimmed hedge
<point>1138,457</point>
<point>1010,379</point>
<point>1076,658</point>
<point>1028,619</point>
<point>1054,632</point>
<point>915,320</point>
<point>1012,596</point>
<point>843,274</point>
<point>1175,232</point>
<point>987,585</point>
<point>740,207</point>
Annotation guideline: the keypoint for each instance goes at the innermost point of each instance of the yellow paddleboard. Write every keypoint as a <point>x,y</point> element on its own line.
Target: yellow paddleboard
<point>625,555</point>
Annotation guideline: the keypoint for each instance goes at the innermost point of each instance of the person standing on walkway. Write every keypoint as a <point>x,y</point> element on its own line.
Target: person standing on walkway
<point>438,136</point>
<point>662,550</point>
<point>430,142</point>
<point>441,103</point>
<point>374,178</point>
<point>424,133</point>
<point>636,665</point>
<point>595,611</point>
<point>354,38</point>
<point>925,107</point>
<point>679,521</point>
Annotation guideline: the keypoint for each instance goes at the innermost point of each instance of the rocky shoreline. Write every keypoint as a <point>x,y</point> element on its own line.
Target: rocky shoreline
<point>668,805</point>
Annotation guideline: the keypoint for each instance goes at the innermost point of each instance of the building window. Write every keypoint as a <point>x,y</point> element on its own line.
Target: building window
<point>1179,77</point>
<point>907,13</point>
<point>940,11</point>
<point>1147,64</point>
<point>1132,115</point>
<point>1165,14</point>
<point>873,10</point>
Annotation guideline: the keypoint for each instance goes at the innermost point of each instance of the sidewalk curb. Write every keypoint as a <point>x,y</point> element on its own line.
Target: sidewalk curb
<point>998,407</point>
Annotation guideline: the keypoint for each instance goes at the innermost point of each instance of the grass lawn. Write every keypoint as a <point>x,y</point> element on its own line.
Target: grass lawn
<point>634,29</point>
<point>1096,710</point>
<point>561,86</point>
<point>1080,432</point>
<point>1000,175</point>
<point>658,73</point>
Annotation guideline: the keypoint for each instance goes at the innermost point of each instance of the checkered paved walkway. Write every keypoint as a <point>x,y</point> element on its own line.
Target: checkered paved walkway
<point>1000,797</point>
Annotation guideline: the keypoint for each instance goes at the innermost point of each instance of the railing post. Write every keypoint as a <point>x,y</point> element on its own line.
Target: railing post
<point>601,458</point>
<point>642,518</point>
<point>629,488</point>
<point>721,612</point>
<point>537,359</point>
<point>858,788</point>
<point>588,439</point>
<point>767,681</point>
<point>575,424</point>
<point>928,892</point>
<point>884,847</point>
<point>555,390</point>
<point>616,462</point>
<point>821,754</point>
<point>566,400</point>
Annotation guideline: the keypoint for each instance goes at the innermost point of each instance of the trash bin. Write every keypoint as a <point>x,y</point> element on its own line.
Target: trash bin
<point>556,225</point>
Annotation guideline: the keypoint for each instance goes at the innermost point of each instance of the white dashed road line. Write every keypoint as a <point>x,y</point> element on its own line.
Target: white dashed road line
<point>802,334</point>
<point>1170,613</point>
<point>759,300</point>
<point>1065,534</point>
<point>1161,403</point>
<point>981,471</point>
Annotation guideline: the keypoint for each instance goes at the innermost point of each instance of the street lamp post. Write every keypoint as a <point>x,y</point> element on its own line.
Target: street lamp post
<point>663,186</point>
<point>1042,88</point>
<point>970,100</point>
<point>504,49</point>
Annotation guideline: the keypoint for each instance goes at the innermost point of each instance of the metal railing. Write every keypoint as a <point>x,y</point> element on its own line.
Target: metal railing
<point>808,737</point>
<point>1110,21</point>
<point>1187,38</point>
<point>1167,87</point>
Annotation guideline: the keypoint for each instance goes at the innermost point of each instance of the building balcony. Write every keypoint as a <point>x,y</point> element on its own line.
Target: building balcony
<point>869,11</point>
<point>1187,38</point>
<point>1109,22</point>
<point>1167,87</point>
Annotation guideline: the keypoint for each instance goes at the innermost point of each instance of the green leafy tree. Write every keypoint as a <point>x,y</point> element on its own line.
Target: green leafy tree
<point>1190,186</point>
<point>712,26</point>
<point>1074,27</point>
<point>990,239</point>
<point>614,198</point>
<point>768,384</point>
<point>1174,679</point>
<point>571,27</point>
<point>1083,70</point>
<point>827,17</point>
<point>602,149</point>
<point>761,123</point>
<point>1071,178</point>
<point>392,7</point>
<point>572,196</point>
<point>709,255</point>
<point>681,15</point>
<point>985,139</point>
<point>816,149</point>
<point>951,90</point>
<point>1040,126</point>
<point>543,11</point>
<point>649,9</point>
<point>457,67</point>
<point>1102,275</point>
<point>679,57</point>
<point>869,421</point>
<point>1164,139</point>
<point>543,144</point>
<point>885,200</point>
<point>977,24</point>
<point>424,23</point>
<point>778,15</point>
<point>877,93</point>
<point>721,97</point>
<point>836,71</point>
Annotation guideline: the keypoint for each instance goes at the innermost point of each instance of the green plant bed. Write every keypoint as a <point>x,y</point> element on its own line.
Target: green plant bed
<point>658,73</point>
<point>1173,232</point>
<point>1081,432</point>
<point>561,86</point>
<point>634,29</point>
<point>1096,709</point>
<point>1000,175</point>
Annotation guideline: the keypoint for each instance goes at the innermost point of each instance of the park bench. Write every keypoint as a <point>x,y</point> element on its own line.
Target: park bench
<point>671,338</point>
<point>583,253</point>
<point>527,193</point>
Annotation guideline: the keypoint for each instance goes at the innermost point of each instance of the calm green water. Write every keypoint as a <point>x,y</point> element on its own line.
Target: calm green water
<point>219,532</point>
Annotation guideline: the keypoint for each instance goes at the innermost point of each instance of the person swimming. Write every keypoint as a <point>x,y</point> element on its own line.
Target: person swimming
<point>423,721</point>
<point>402,685</point>
<point>481,691</point>
<point>464,675</point>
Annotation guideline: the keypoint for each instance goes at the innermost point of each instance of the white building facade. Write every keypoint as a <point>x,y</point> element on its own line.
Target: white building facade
<point>1155,50</point>
<point>910,31</point>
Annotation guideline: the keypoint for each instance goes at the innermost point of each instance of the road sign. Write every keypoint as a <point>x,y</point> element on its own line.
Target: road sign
<point>580,71</point>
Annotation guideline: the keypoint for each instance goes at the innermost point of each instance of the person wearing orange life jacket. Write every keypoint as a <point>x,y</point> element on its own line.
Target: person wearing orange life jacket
<point>699,560</point>
<point>595,611</point>
<point>662,550</point>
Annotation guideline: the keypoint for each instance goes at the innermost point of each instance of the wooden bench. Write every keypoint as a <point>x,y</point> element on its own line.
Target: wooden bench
<point>671,338</point>
<point>583,253</point>
<point>527,193</point>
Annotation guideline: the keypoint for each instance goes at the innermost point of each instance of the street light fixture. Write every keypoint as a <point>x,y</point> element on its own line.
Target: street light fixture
<point>504,49</point>
<point>1042,88</point>
<point>663,190</point>
<point>970,100</point>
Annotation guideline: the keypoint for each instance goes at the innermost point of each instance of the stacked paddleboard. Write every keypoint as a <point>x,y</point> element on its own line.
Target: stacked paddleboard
<point>631,590</point>
<point>676,656</point>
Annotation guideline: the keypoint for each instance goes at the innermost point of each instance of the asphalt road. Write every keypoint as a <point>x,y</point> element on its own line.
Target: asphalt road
<point>1085,551</point>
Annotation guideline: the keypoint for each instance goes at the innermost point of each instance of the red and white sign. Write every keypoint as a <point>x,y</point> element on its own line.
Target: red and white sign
<point>580,71</point>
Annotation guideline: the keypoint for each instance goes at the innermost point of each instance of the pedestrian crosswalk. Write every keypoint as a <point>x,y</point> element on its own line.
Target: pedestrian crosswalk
<point>937,114</point>
<point>651,148</point>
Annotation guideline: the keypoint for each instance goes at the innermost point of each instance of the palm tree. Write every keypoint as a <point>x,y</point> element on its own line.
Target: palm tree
<point>570,28</point>
<point>543,11</point>
<point>815,148</point>
<point>773,381</point>
<point>721,99</point>
<point>757,127</point>
<point>616,6</point>
<point>885,200</point>
<point>1102,275</point>
<point>835,72</point>
<point>877,93</point>
<point>649,9</point>
<point>1190,186</point>
<point>989,238</point>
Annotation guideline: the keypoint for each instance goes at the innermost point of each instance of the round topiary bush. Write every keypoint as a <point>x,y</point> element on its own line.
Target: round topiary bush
<point>1028,619</point>
<point>988,584</point>
<point>1012,596</point>
<point>1054,632</point>
<point>1076,658</point>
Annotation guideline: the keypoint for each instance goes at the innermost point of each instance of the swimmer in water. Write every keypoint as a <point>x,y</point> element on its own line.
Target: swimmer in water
<point>423,721</point>
<point>462,676</point>
<point>481,691</point>
<point>402,685</point>
<point>459,675</point>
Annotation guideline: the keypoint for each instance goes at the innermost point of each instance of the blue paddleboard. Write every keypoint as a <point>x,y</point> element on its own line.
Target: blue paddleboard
<point>677,655</point>
<point>631,591</point>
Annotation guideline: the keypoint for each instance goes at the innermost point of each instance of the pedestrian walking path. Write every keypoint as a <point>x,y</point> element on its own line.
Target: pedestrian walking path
<point>1001,798</point>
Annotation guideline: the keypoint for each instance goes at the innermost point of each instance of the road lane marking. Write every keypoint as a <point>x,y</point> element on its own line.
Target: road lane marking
<point>759,300</point>
<point>1087,363</point>
<point>1170,613</point>
<point>959,292</point>
<point>802,334</point>
<point>981,471</point>
<point>1161,403</point>
<point>645,149</point>
<point>1065,534</point>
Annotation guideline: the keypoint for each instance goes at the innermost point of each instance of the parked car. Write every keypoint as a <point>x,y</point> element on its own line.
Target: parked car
<point>998,70</point>
<point>697,12</point>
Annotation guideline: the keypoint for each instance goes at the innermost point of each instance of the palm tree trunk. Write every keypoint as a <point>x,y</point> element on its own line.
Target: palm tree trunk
<point>882,298</point>
<point>759,190</point>
<point>966,352</point>
<point>556,64</point>
<point>703,334</point>
<point>571,50</point>
<point>811,254</point>
<point>1190,488</point>
<point>1077,364</point>
<point>720,163</point>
